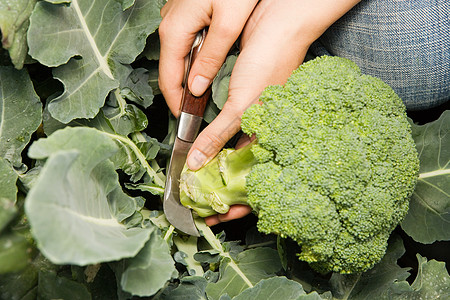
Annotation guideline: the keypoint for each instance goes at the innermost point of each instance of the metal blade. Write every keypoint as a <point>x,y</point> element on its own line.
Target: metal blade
<point>189,122</point>
<point>178,215</point>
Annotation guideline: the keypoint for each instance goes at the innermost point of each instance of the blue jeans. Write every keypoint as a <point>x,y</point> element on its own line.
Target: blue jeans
<point>406,43</point>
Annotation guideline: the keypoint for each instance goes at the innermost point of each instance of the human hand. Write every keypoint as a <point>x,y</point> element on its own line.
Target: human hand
<point>274,42</point>
<point>181,21</point>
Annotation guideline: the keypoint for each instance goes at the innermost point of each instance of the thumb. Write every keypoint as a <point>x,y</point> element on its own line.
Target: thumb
<point>212,139</point>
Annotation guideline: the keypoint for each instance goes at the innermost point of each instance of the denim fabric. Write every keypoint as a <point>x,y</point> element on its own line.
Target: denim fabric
<point>406,43</point>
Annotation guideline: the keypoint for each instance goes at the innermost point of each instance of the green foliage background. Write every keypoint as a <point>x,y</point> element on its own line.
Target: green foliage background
<point>84,140</point>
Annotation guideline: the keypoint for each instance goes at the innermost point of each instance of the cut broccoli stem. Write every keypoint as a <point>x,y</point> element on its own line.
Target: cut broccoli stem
<point>208,194</point>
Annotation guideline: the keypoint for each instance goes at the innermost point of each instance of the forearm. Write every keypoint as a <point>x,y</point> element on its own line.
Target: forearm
<point>304,19</point>
<point>319,15</point>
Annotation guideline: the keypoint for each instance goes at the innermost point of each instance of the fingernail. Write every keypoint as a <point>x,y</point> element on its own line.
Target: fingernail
<point>196,160</point>
<point>199,85</point>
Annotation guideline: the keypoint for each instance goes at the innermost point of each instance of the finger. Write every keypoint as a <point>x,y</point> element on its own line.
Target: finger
<point>176,38</point>
<point>212,220</point>
<point>256,67</point>
<point>236,212</point>
<point>227,21</point>
<point>245,88</point>
<point>244,140</point>
<point>171,73</point>
<point>213,137</point>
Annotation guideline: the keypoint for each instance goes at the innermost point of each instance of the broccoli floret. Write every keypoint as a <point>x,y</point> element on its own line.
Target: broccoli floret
<point>332,167</point>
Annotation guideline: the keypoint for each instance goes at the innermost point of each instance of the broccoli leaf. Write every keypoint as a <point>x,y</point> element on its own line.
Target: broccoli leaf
<point>432,282</point>
<point>131,120</point>
<point>279,287</point>
<point>52,286</point>
<point>190,288</point>
<point>126,3</point>
<point>8,193</point>
<point>221,82</point>
<point>428,218</point>
<point>187,248</point>
<point>151,52</point>
<point>252,266</point>
<point>24,284</point>
<point>14,254</point>
<point>83,29</point>
<point>72,192</point>
<point>375,283</point>
<point>20,113</point>
<point>137,87</point>
<point>219,89</point>
<point>132,154</point>
<point>14,22</point>
<point>150,269</point>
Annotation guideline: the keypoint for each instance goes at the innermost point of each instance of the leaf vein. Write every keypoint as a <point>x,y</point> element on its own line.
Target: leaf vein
<point>103,64</point>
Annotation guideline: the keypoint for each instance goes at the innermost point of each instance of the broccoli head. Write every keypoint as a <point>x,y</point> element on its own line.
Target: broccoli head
<point>332,167</point>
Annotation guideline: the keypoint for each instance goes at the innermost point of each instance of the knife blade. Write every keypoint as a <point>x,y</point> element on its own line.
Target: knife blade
<point>188,125</point>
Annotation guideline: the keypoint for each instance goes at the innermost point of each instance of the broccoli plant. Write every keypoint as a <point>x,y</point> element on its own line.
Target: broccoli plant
<point>333,166</point>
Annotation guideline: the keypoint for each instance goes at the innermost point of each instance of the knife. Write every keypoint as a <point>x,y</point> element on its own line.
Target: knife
<point>188,125</point>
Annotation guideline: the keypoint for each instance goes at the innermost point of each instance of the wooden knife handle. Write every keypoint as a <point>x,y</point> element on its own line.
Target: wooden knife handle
<point>190,103</point>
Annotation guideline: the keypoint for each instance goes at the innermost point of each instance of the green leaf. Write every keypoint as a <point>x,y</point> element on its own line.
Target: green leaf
<point>131,120</point>
<point>432,282</point>
<point>103,37</point>
<point>99,122</point>
<point>8,193</point>
<point>20,113</point>
<point>190,288</point>
<point>58,1</point>
<point>428,218</point>
<point>126,3</point>
<point>14,22</point>
<point>153,75</point>
<point>219,89</point>
<point>221,82</point>
<point>67,207</point>
<point>211,111</point>
<point>375,283</point>
<point>133,159</point>
<point>150,269</point>
<point>122,206</point>
<point>22,285</point>
<point>52,286</point>
<point>151,51</point>
<point>137,88</point>
<point>148,146</point>
<point>278,288</point>
<point>251,266</point>
<point>7,212</point>
<point>14,254</point>
<point>188,247</point>
<point>146,187</point>
<point>132,155</point>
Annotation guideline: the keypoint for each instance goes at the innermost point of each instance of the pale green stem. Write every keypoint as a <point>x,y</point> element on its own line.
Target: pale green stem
<point>151,172</point>
<point>154,165</point>
<point>264,244</point>
<point>121,102</point>
<point>216,245</point>
<point>434,173</point>
<point>169,233</point>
